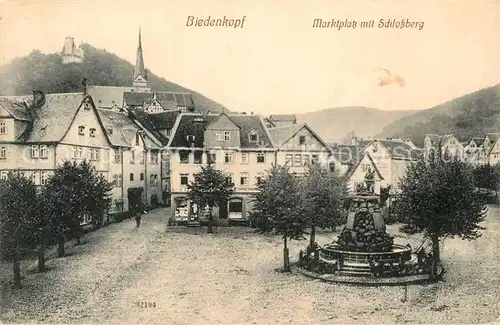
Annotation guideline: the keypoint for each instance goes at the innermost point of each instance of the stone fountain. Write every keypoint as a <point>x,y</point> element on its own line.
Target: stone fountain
<point>363,246</point>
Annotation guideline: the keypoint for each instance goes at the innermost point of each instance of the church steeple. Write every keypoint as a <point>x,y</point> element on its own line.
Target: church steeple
<point>140,77</point>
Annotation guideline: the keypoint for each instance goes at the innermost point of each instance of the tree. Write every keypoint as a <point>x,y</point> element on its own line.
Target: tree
<point>74,189</point>
<point>210,186</point>
<point>323,194</point>
<point>278,208</point>
<point>438,198</point>
<point>487,177</point>
<point>17,219</point>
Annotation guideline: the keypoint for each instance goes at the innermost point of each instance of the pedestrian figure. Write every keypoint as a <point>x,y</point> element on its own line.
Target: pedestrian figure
<point>138,218</point>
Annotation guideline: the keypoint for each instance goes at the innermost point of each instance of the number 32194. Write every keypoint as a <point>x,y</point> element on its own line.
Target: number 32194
<point>146,304</point>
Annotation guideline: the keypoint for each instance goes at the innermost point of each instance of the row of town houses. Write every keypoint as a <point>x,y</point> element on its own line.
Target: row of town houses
<point>150,144</point>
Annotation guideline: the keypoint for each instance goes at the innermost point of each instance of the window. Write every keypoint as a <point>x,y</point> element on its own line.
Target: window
<point>153,180</point>
<point>94,154</point>
<point>141,157</point>
<point>305,160</point>
<point>212,157</point>
<point>43,151</point>
<point>228,157</point>
<point>375,147</point>
<point>190,138</point>
<point>110,131</point>
<point>244,158</point>
<point>81,130</point>
<point>261,157</point>
<point>92,132</point>
<point>154,157</point>
<point>302,139</point>
<point>298,160</point>
<point>3,175</point>
<point>253,137</point>
<point>218,135</point>
<point>3,152</point>
<point>132,156</point>
<point>79,152</point>
<point>259,178</point>
<point>3,128</point>
<point>198,157</point>
<point>184,156</point>
<point>332,167</point>
<point>137,136</point>
<point>244,178</point>
<point>117,178</point>
<point>227,136</point>
<point>131,177</point>
<point>118,155</point>
<point>314,159</point>
<point>289,160</point>
<point>366,167</point>
<point>44,178</point>
<point>230,179</point>
<point>87,105</point>
<point>35,177</point>
<point>75,151</point>
<point>35,151</point>
<point>169,132</point>
<point>141,176</point>
<point>184,179</point>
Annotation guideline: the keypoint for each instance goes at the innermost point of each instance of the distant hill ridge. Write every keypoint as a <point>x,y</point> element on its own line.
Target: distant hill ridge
<point>467,116</point>
<point>46,72</point>
<point>334,124</point>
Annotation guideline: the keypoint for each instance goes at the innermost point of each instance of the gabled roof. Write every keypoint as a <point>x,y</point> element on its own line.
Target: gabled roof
<point>136,98</point>
<point>145,121</point>
<point>181,98</point>
<point>282,134</point>
<point>108,96</point>
<point>357,162</point>
<point>18,109</point>
<point>120,125</point>
<point>53,120</point>
<point>283,118</point>
<point>164,98</point>
<point>164,120</point>
<point>195,124</point>
<point>399,149</point>
<point>234,126</point>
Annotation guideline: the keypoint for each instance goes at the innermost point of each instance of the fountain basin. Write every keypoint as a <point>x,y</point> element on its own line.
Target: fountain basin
<point>358,263</point>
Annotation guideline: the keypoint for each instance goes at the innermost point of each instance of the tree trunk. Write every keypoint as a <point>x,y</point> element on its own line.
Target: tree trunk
<point>435,248</point>
<point>16,266</point>
<point>312,238</point>
<point>435,256</point>
<point>60,246</point>
<point>210,228</point>
<point>41,253</point>
<point>286,255</point>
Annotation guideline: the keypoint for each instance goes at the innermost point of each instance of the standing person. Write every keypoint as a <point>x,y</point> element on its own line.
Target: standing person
<point>138,213</point>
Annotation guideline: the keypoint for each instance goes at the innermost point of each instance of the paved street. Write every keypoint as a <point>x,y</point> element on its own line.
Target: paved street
<point>229,278</point>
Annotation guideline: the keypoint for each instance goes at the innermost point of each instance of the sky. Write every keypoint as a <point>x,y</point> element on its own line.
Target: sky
<point>278,62</point>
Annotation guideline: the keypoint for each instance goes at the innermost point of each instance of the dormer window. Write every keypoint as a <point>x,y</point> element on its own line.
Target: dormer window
<point>110,131</point>
<point>190,138</point>
<point>198,120</point>
<point>253,137</point>
<point>92,132</point>
<point>87,105</point>
<point>81,130</point>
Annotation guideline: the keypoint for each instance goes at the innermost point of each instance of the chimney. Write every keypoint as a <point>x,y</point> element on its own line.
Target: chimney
<point>84,83</point>
<point>38,99</point>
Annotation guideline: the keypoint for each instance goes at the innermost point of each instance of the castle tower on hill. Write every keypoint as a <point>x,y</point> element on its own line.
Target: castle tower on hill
<point>70,53</point>
<point>140,78</point>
